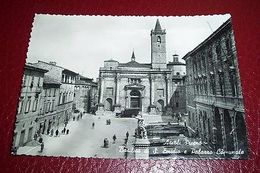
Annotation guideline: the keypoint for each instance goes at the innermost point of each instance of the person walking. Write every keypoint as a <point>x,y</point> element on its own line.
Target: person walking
<point>57,132</point>
<point>64,130</point>
<point>127,135</point>
<point>114,138</point>
<point>42,146</point>
<point>67,132</point>
<point>93,125</point>
<point>52,131</point>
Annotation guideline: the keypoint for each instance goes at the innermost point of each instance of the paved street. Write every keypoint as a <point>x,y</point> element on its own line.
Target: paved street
<point>84,141</point>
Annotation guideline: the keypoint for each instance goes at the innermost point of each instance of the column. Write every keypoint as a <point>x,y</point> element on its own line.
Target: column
<point>152,90</point>
<point>233,122</point>
<point>117,89</point>
<point>115,99</point>
<point>166,91</point>
<point>150,82</point>
<point>101,90</point>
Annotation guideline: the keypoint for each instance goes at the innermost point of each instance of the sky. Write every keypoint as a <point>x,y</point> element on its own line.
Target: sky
<point>83,43</point>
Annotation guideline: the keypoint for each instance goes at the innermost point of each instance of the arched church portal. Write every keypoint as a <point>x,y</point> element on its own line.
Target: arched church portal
<point>108,104</point>
<point>160,105</point>
<point>135,101</point>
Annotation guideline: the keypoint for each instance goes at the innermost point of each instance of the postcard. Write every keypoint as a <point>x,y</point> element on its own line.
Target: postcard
<point>131,87</point>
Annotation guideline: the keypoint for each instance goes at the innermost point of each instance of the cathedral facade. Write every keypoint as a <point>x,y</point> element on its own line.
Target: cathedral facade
<point>142,86</point>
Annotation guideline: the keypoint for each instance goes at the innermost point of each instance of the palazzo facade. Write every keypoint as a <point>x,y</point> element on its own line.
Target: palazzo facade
<point>214,97</point>
<point>141,85</point>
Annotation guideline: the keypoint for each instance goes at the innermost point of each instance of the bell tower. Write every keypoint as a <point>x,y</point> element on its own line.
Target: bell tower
<point>158,47</point>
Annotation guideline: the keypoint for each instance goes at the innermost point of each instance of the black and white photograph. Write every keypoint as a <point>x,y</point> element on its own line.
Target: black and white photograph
<point>131,87</point>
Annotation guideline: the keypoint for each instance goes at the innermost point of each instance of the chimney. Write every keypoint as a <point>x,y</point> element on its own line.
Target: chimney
<point>175,58</point>
<point>52,63</point>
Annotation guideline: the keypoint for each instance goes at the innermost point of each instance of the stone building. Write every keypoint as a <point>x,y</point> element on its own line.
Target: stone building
<point>214,97</point>
<point>178,98</point>
<point>144,86</point>
<point>67,79</point>
<point>49,112</point>
<point>28,108</point>
<point>85,94</point>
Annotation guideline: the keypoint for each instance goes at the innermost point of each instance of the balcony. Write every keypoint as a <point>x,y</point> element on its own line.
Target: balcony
<point>225,101</point>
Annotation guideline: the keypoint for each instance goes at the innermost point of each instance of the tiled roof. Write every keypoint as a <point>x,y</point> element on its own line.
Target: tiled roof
<point>35,67</point>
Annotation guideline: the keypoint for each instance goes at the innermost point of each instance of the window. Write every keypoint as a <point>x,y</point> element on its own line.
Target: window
<point>177,94</point>
<point>49,92</point>
<point>221,83</point>
<point>63,78</point>
<point>63,98</point>
<point>39,81</point>
<point>20,107</point>
<point>109,91</point>
<point>28,105</point>
<point>52,105</point>
<point>60,98</point>
<point>24,81</point>
<point>32,82</point>
<point>218,51</point>
<point>159,39</point>
<point>135,80</point>
<point>212,83</point>
<point>35,104</point>
<point>233,82</point>
<point>49,107</point>
<point>228,44</point>
<point>160,92</point>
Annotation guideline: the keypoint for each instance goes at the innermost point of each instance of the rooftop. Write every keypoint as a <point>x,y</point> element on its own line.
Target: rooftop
<point>34,67</point>
<point>50,80</point>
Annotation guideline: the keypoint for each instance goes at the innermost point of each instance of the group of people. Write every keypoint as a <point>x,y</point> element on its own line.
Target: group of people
<point>106,141</point>
<point>108,122</point>
<point>78,116</point>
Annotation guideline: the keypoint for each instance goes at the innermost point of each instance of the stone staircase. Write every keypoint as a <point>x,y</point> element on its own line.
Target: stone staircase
<point>151,118</point>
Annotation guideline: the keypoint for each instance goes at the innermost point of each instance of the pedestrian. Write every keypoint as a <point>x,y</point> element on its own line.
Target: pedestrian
<point>127,135</point>
<point>57,132</point>
<point>126,152</point>
<point>67,132</point>
<point>40,140</point>
<point>52,131</point>
<point>42,146</point>
<point>93,125</point>
<point>106,143</point>
<point>114,138</point>
<point>64,130</point>
<point>73,118</point>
